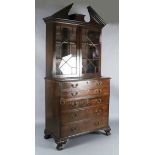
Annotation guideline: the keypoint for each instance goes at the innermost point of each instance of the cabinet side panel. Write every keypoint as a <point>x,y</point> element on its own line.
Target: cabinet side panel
<point>50,44</point>
<point>106,92</point>
<point>52,107</point>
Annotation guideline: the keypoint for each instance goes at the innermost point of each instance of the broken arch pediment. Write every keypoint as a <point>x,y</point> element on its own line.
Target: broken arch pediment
<point>63,14</point>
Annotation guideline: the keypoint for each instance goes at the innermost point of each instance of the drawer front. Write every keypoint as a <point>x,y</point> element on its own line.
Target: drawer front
<point>84,113</point>
<point>83,126</point>
<point>84,93</point>
<point>84,85</point>
<point>75,104</point>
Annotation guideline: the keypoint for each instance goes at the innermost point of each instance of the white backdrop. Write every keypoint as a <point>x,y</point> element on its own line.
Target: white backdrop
<point>108,10</point>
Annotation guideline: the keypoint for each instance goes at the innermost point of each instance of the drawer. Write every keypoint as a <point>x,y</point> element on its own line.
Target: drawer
<point>84,85</point>
<point>75,104</point>
<point>84,93</point>
<point>84,113</point>
<point>84,126</point>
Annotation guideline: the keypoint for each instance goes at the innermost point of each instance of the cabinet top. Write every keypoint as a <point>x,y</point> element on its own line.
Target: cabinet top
<point>62,16</point>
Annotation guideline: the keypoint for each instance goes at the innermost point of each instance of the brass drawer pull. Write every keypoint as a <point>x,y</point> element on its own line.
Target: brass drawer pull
<point>74,129</point>
<point>99,101</point>
<point>74,104</point>
<point>74,115</point>
<point>99,83</point>
<point>74,86</point>
<point>74,94</point>
<point>62,102</point>
<point>99,112</point>
<point>88,103</point>
<point>97,123</point>
<point>99,91</point>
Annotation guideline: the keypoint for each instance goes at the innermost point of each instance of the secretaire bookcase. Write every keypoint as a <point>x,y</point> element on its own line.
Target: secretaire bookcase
<point>76,95</point>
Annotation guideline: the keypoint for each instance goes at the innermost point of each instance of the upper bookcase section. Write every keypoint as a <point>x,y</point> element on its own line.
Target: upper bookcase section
<point>62,16</point>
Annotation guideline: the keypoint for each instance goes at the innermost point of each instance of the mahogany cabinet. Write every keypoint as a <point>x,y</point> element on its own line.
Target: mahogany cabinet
<point>76,96</point>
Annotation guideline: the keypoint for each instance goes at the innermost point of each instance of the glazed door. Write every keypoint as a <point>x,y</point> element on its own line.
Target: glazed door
<point>67,53</point>
<point>91,51</point>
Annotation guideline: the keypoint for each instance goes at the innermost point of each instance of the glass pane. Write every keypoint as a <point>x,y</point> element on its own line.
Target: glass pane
<point>90,51</point>
<point>65,33</point>
<point>66,52</point>
<point>93,36</point>
<point>90,66</point>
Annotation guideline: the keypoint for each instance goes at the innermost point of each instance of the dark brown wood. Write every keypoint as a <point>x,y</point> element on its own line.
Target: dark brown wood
<point>77,17</point>
<point>63,13</point>
<point>67,117</point>
<point>76,98</point>
<point>67,105</point>
<point>50,35</point>
<point>83,113</point>
<point>84,85</point>
<point>83,126</point>
<point>94,17</point>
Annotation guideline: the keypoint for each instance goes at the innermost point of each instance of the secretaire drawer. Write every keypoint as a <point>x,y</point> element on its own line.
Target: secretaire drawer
<point>80,103</point>
<point>84,85</point>
<point>83,126</point>
<point>83,113</point>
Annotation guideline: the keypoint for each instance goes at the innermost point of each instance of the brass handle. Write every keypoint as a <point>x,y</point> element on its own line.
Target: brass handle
<point>99,91</point>
<point>99,83</point>
<point>88,103</point>
<point>99,112</point>
<point>62,102</point>
<point>74,94</point>
<point>97,123</point>
<point>73,129</point>
<point>74,104</point>
<point>74,115</point>
<point>74,86</point>
<point>99,100</point>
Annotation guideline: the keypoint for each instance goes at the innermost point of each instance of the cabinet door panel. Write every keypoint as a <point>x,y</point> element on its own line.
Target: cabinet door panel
<point>91,51</point>
<point>67,55</point>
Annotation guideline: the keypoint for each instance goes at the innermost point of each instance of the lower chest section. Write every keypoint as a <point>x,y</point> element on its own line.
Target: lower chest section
<point>84,106</point>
